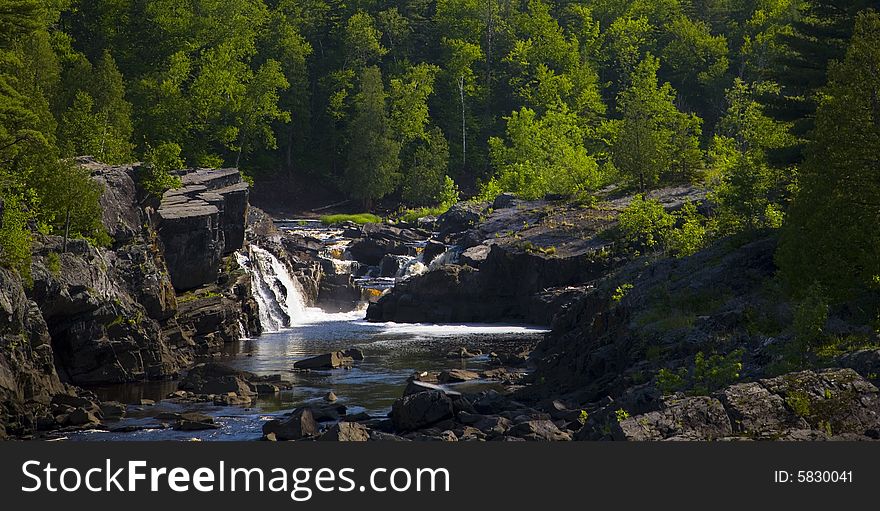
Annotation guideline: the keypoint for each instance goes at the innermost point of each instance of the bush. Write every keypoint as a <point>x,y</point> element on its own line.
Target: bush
<point>709,374</point>
<point>155,175</point>
<point>15,237</point>
<point>645,224</point>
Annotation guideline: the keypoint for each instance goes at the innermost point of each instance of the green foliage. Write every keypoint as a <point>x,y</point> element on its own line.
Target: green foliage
<point>155,174</point>
<point>621,415</point>
<point>621,292</point>
<point>645,223</point>
<point>654,141</point>
<point>53,263</point>
<point>374,155</point>
<point>360,218</point>
<point>542,156</point>
<point>15,237</point>
<point>799,403</point>
<point>810,316</point>
<point>425,182</point>
<point>708,374</point>
<point>832,237</point>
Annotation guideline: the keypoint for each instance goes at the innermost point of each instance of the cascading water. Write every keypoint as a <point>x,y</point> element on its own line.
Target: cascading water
<point>279,296</point>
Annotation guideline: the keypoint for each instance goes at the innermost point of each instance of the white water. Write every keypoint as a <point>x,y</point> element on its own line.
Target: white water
<point>279,296</point>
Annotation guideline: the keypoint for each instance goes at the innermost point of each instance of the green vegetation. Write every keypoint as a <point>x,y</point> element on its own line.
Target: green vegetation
<point>707,375</point>
<point>770,106</point>
<point>360,218</point>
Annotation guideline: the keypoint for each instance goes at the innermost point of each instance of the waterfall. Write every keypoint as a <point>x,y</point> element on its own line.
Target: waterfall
<point>279,296</point>
<point>449,257</point>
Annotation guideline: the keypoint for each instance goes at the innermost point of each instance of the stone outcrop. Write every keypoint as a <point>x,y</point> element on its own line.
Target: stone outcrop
<point>200,222</point>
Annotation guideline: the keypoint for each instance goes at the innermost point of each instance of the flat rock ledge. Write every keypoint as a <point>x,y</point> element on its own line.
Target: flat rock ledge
<point>201,222</point>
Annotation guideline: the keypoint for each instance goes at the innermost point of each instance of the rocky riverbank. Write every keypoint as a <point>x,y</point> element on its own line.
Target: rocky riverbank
<point>642,347</point>
<point>165,292</point>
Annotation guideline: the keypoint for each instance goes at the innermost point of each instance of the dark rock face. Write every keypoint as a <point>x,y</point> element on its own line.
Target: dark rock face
<point>421,409</point>
<point>100,332</point>
<point>201,222</point>
<point>27,372</point>
<point>460,217</point>
<point>122,221</point>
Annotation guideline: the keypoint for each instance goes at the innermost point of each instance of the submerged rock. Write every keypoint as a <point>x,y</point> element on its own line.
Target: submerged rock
<point>331,360</point>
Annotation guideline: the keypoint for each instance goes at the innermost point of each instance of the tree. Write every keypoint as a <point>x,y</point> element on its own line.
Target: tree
<point>374,154</point>
<point>748,189</point>
<point>542,155</point>
<point>653,140</point>
<point>831,238</point>
<point>425,174</point>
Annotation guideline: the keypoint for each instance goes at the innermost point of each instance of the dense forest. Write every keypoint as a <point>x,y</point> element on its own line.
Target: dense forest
<point>773,105</point>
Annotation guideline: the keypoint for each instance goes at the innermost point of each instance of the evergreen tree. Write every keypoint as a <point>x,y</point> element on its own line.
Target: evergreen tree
<point>831,238</point>
<point>653,140</point>
<point>374,154</point>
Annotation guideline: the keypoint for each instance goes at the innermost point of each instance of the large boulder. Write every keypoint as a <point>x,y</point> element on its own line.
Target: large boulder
<point>690,418</point>
<point>331,360</point>
<point>419,410</point>
<point>213,378</point>
<point>346,432</point>
<point>301,424</point>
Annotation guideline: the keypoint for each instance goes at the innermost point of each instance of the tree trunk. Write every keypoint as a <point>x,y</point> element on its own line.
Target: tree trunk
<point>66,231</point>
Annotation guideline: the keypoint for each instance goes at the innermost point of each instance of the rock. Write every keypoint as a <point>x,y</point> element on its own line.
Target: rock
<point>328,412</point>
<point>460,217</point>
<point>539,430</point>
<point>266,389</point>
<point>864,362</point>
<point>192,421</point>
<point>112,410</point>
<point>474,256</point>
<point>390,265</point>
<point>326,361</point>
<point>755,411</point>
<point>301,424</point>
<point>419,410</point>
<point>82,417</point>
<point>346,432</point>
<point>432,250</point>
<point>214,378</point>
<point>354,353</point>
<point>457,375</point>
<point>189,218</point>
<point>330,397</point>
<point>696,418</point>
<point>505,200</point>
<point>416,386</point>
<point>146,402</point>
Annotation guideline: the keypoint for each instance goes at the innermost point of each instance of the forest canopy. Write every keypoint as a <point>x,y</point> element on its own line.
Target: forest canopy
<point>771,104</point>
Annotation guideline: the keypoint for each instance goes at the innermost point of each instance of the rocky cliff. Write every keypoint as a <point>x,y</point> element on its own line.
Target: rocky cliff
<point>165,292</point>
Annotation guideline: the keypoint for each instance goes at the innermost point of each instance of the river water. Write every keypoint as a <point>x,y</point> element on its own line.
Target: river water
<point>393,352</point>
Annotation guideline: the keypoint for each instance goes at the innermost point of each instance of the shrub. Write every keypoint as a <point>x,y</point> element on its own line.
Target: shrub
<point>155,175</point>
<point>645,224</point>
<point>15,237</point>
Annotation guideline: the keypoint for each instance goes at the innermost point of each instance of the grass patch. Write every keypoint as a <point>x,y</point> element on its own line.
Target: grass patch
<point>359,218</point>
<point>412,216</point>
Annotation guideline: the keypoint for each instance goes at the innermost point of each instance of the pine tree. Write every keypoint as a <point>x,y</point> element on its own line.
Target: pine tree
<point>374,154</point>
<point>832,238</point>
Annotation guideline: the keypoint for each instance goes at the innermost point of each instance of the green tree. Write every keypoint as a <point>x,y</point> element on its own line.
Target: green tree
<point>654,139</point>
<point>424,177</point>
<point>831,238</point>
<point>542,155</point>
<point>374,154</point>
